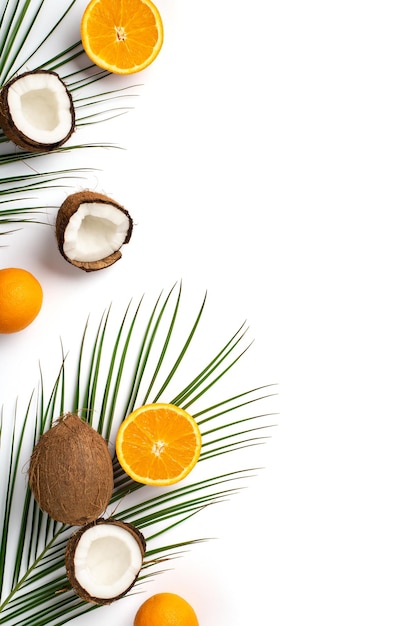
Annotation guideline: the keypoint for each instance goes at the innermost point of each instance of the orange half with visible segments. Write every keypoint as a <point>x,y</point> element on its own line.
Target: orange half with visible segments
<point>122,36</point>
<point>158,444</point>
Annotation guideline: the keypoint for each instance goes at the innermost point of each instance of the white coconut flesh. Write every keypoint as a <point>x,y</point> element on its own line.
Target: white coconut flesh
<point>107,561</point>
<point>95,231</point>
<point>40,107</point>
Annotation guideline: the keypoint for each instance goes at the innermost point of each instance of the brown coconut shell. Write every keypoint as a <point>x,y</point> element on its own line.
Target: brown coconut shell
<point>71,472</point>
<point>72,546</point>
<point>70,205</point>
<point>13,133</point>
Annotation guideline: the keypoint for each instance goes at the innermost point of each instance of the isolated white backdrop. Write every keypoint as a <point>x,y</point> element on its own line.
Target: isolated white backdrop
<point>271,159</point>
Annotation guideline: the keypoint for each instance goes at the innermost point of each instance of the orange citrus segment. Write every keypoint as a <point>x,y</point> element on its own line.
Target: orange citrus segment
<point>158,444</point>
<point>122,36</point>
<point>20,299</point>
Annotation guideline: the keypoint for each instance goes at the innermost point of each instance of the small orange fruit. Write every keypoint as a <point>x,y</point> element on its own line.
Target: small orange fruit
<point>166,609</point>
<point>158,444</point>
<point>20,299</point>
<point>122,37</point>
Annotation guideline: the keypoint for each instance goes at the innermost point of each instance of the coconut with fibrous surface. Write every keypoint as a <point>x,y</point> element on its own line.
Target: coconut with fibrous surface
<point>71,472</point>
<point>90,229</point>
<point>103,560</point>
<point>37,111</point>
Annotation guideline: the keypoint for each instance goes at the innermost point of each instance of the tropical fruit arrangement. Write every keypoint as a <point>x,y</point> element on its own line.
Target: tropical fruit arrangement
<point>68,543</point>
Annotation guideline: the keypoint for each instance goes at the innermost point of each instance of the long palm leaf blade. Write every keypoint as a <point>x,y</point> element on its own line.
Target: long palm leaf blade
<point>18,36</point>
<point>12,20</point>
<point>182,352</point>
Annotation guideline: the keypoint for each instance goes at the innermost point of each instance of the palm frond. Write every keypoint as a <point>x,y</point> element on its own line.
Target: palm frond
<point>17,202</point>
<point>144,358</point>
<point>21,22</point>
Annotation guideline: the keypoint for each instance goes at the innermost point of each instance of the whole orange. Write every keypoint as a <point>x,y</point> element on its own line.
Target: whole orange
<point>166,609</point>
<point>20,299</point>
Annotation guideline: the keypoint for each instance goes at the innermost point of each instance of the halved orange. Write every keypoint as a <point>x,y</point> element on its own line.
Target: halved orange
<point>122,36</point>
<point>158,444</point>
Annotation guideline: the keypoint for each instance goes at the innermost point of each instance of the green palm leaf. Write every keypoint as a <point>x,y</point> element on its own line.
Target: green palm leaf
<point>143,359</point>
<point>19,189</point>
<point>21,21</point>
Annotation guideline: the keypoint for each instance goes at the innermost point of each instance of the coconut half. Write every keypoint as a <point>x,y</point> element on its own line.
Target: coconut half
<point>103,560</point>
<point>90,229</point>
<point>37,111</point>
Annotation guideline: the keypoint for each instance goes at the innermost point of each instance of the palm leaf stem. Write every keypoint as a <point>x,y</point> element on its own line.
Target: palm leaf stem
<point>136,514</point>
<point>63,602</point>
<point>47,594</point>
<point>36,594</point>
<point>60,588</point>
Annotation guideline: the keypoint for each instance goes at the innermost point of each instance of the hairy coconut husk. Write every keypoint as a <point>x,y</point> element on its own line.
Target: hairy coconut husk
<point>70,553</point>
<point>8,121</point>
<point>69,208</point>
<point>71,473</point>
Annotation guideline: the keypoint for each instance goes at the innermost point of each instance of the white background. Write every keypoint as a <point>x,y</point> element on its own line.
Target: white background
<point>271,158</point>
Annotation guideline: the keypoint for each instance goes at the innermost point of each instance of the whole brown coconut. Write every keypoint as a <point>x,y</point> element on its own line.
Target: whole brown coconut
<point>70,472</point>
<point>103,560</point>
<point>90,229</point>
<point>37,111</point>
